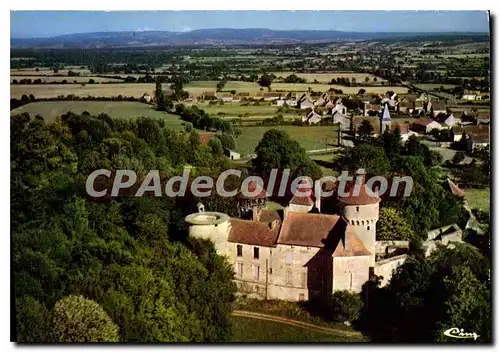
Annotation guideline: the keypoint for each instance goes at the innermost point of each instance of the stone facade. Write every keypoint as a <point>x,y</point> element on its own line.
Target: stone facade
<point>295,254</point>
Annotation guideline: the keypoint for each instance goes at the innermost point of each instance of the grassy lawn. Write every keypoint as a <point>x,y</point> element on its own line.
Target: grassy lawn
<point>273,205</point>
<point>478,198</point>
<point>309,137</point>
<point>252,330</point>
<point>49,110</point>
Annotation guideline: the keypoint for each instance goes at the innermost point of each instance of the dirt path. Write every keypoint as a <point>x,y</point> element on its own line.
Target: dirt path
<point>301,324</point>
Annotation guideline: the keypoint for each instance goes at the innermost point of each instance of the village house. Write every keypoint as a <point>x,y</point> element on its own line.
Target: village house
<point>299,253</point>
<point>339,115</point>
<point>370,108</point>
<point>312,118</point>
<point>425,125</point>
<point>419,107</point>
<point>208,95</point>
<point>405,107</point>
<point>305,103</point>
<point>437,107</point>
<point>445,119</point>
<point>225,97</point>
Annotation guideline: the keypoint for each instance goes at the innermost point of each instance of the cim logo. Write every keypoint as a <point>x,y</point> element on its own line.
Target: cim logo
<point>460,334</point>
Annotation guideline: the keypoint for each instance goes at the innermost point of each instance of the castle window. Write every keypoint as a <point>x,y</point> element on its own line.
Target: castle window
<point>302,297</point>
<point>239,270</point>
<point>270,271</point>
<point>289,258</point>
<point>239,250</point>
<point>303,280</point>
<point>255,270</point>
<point>368,227</point>
<point>357,208</point>
<point>255,252</point>
<point>289,276</point>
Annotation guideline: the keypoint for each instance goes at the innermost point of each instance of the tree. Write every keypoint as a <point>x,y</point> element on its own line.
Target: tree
<point>227,141</point>
<point>458,157</point>
<point>393,226</point>
<point>159,96</point>
<point>77,319</point>
<point>277,150</point>
<point>221,84</point>
<point>365,129</point>
<point>216,146</point>
<point>367,79</point>
<point>468,305</point>
<point>369,157</point>
<point>33,321</point>
<point>361,91</point>
<point>265,80</point>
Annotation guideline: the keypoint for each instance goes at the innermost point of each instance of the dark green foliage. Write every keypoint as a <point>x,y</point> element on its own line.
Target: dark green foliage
<point>129,256</point>
<point>425,297</point>
<point>277,150</point>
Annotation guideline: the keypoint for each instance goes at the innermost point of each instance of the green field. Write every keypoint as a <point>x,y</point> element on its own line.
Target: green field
<point>478,198</point>
<point>235,109</point>
<point>50,110</point>
<point>252,330</point>
<point>309,137</point>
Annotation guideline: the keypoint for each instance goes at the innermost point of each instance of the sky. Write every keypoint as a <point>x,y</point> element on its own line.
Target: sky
<point>28,24</point>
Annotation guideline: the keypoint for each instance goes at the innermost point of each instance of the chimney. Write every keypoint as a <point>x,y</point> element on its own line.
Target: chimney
<point>273,225</point>
<point>317,202</point>
<point>256,213</point>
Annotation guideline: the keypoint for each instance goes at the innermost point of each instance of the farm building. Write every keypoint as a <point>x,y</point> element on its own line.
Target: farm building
<point>231,154</point>
<point>446,119</point>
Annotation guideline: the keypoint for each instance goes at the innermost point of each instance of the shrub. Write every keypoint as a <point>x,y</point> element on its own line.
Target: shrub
<point>341,306</point>
<point>77,319</point>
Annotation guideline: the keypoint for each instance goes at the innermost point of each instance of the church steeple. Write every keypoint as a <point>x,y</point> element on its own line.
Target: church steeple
<point>385,119</point>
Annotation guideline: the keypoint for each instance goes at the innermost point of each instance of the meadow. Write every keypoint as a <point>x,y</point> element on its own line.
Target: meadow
<point>252,330</point>
<point>50,110</point>
<point>309,137</point>
<point>478,198</point>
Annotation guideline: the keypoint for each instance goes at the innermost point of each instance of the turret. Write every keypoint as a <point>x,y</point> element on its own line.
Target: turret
<point>210,226</point>
<point>361,210</point>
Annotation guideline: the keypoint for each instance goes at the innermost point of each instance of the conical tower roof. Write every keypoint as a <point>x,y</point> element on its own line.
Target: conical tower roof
<point>385,115</point>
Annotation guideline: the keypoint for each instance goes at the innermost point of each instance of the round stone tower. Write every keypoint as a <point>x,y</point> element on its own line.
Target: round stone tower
<point>361,210</point>
<point>211,226</point>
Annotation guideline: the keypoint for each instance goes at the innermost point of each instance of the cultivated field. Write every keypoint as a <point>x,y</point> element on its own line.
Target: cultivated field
<point>309,137</point>
<point>79,79</point>
<point>42,71</point>
<point>41,91</point>
<point>327,76</point>
<point>50,110</point>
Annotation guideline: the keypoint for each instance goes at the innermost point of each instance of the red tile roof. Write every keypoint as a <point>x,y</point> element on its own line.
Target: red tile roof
<point>457,191</point>
<point>206,136</point>
<point>252,232</point>
<point>307,229</point>
<point>303,187</point>
<point>252,186</point>
<point>362,198</point>
<point>354,246</point>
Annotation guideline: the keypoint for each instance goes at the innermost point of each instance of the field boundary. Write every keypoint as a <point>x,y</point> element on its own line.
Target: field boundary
<point>296,323</point>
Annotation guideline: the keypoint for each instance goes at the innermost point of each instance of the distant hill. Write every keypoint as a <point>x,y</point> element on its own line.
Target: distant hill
<point>216,36</point>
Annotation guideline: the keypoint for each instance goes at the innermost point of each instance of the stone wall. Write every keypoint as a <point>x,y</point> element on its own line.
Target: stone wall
<point>386,267</point>
<point>350,273</point>
<point>382,247</point>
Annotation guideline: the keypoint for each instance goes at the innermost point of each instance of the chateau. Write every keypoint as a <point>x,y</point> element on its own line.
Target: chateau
<point>299,253</point>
